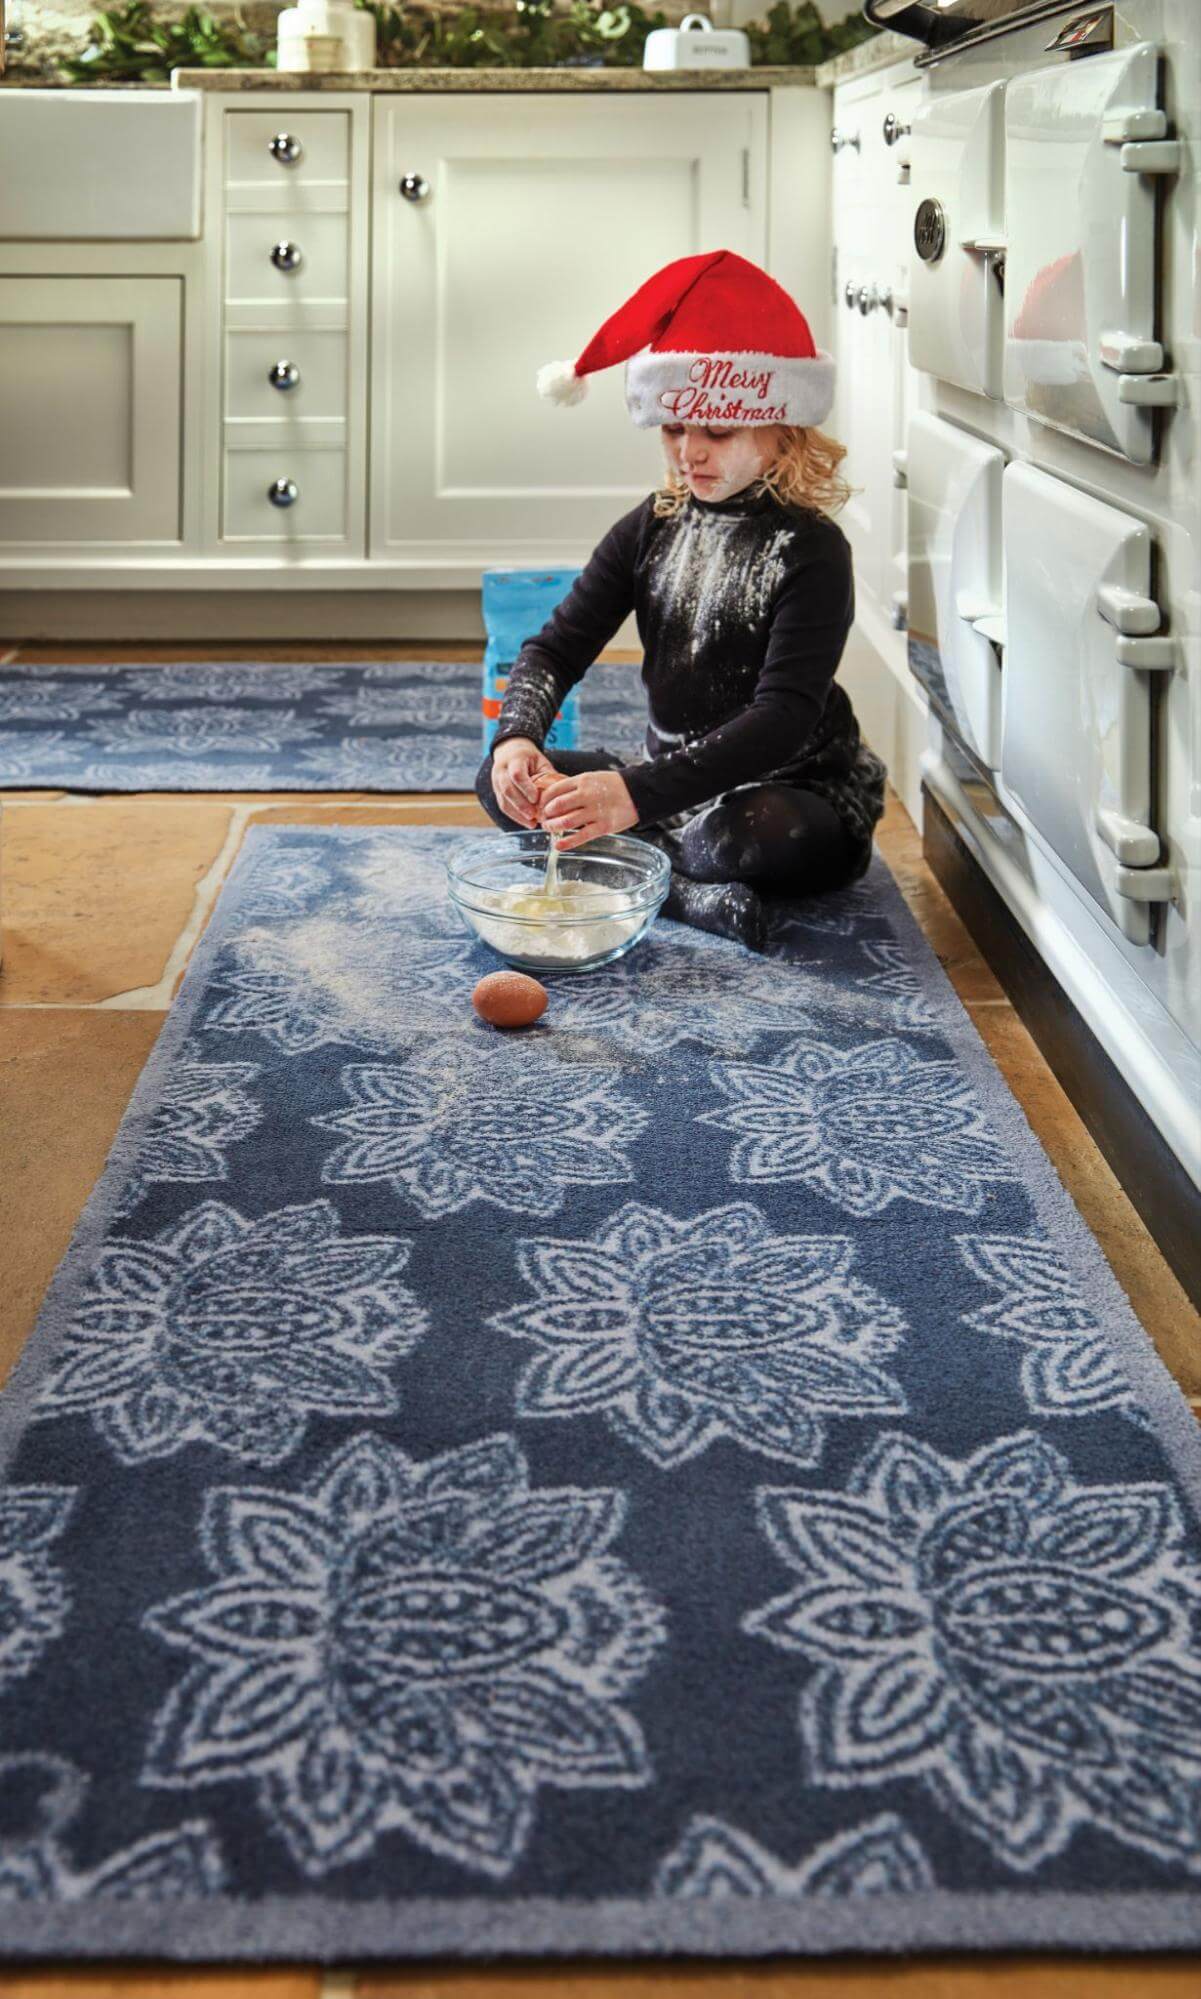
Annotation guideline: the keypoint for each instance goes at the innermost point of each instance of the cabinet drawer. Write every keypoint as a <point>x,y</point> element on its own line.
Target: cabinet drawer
<point>319,359</point>
<point>322,240</point>
<point>322,136</point>
<point>319,510</point>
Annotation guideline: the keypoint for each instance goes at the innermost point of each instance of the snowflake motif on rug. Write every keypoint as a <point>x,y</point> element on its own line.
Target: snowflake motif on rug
<point>714,1859</point>
<point>407,884</point>
<point>33,1592</point>
<point>233,1333</point>
<point>838,913</point>
<point>681,1332</point>
<point>1023,1643</point>
<point>1069,1367</point>
<point>681,988</point>
<point>40,1795</point>
<point>446,1129</point>
<point>45,758</point>
<point>896,981</point>
<point>202,730</point>
<point>332,979</point>
<point>392,672</point>
<point>409,1646</point>
<point>294,881</point>
<point>420,707</point>
<point>234,680</point>
<point>437,762</point>
<point>54,700</point>
<point>204,1107</point>
<point>864,1125</point>
<point>197,774</point>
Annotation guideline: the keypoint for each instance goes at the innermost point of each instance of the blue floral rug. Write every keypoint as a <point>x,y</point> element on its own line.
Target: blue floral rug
<point>682,1479</point>
<point>260,726</point>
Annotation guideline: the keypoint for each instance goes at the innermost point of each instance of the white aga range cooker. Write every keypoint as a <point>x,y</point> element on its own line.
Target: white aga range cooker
<point>1054,500</point>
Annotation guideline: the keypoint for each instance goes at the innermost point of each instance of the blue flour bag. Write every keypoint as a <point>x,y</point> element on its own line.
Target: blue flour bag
<point>516,605</point>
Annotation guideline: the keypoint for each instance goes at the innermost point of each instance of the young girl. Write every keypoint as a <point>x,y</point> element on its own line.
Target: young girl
<point>754,776</point>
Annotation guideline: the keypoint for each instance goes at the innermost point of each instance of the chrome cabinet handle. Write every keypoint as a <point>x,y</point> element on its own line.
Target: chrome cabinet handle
<point>286,256</point>
<point>283,492</point>
<point>283,375</point>
<point>893,129</point>
<point>284,148</point>
<point>415,187</point>
<point>839,139</point>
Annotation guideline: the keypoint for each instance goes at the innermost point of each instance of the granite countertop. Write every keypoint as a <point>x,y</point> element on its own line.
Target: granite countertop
<point>486,80</point>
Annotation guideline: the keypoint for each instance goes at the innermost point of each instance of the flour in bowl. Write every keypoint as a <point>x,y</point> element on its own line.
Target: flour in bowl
<point>599,927</point>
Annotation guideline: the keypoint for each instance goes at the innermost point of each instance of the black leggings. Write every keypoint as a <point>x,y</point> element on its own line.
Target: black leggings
<point>774,835</point>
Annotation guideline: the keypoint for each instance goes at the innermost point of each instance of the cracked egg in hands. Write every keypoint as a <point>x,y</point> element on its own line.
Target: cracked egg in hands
<point>603,898</point>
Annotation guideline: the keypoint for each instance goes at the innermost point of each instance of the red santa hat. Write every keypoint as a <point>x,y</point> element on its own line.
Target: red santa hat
<point>708,339</point>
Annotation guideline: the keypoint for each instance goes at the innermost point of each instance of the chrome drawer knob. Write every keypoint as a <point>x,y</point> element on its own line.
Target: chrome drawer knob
<point>851,293</point>
<point>840,139</point>
<point>283,492</point>
<point>867,299</point>
<point>415,187</point>
<point>283,375</point>
<point>286,256</point>
<point>893,129</point>
<point>284,148</point>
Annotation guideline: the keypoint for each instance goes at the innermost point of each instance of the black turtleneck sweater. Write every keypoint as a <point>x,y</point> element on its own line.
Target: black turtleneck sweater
<point>743,608</point>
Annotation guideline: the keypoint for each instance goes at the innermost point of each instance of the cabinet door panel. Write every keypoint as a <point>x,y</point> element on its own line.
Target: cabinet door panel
<point>90,409</point>
<point>539,220</point>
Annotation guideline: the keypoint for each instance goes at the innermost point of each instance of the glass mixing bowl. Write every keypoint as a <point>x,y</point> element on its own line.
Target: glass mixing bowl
<point>634,876</point>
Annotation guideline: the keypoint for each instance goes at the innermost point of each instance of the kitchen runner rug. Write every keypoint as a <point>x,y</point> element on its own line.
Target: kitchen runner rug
<point>680,1479</point>
<point>403,725</point>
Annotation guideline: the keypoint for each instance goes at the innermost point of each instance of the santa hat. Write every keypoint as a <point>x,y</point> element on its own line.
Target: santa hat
<point>708,339</point>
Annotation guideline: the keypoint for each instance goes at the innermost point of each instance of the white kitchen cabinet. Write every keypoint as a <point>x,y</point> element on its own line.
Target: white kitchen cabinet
<point>334,386</point>
<point>870,273</point>
<point>528,221</point>
<point>870,278</point>
<point>90,410</point>
<point>292,191</point>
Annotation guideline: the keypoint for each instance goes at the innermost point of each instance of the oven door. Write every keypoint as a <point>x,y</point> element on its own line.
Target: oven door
<point>1078,691</point>
<point>955,603</point>
<point>1084,147</point>
<point>956,180</point>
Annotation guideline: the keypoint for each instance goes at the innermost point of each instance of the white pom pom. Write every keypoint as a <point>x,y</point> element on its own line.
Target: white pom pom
<point>559,383</point>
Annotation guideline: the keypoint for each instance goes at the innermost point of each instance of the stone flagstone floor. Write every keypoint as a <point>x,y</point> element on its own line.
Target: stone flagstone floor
<point>102,901</point>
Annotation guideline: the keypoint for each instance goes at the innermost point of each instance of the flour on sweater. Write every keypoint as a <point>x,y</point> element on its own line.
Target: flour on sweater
<point>711,575</point>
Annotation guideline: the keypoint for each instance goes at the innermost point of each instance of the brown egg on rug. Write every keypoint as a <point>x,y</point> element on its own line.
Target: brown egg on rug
<point>509,999</point>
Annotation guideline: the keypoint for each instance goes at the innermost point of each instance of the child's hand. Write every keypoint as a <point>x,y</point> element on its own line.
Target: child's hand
<point>519,773</point>
<point>583,807</point>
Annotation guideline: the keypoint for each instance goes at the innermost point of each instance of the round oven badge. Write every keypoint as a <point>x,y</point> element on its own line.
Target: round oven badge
<point>929,231</point>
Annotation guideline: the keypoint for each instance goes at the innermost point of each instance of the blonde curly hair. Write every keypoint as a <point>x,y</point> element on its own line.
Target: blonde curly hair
<point>803,473</point>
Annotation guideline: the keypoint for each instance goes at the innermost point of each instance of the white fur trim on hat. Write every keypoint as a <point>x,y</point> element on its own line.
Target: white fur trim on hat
<point>729,388</point>
<point>559,383</point>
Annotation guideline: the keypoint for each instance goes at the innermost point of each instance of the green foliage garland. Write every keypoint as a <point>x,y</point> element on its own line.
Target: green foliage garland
<point>126,44</point>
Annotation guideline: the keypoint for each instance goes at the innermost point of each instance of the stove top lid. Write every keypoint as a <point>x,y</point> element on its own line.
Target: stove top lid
<point>938,23</point>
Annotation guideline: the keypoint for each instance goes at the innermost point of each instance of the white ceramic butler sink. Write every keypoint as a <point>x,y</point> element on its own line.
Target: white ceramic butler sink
<point>99,163</point>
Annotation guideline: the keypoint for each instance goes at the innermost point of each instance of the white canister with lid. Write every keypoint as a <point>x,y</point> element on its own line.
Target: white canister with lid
<point>696,44</point>
<point>326,35</point>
